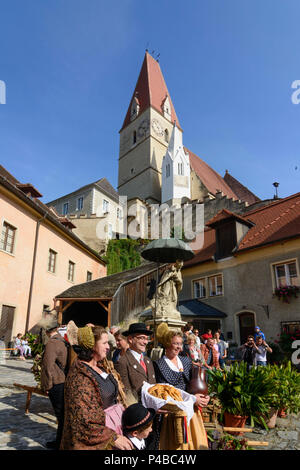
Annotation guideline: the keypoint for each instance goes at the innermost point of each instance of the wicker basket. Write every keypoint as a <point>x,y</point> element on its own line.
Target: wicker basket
<point>171,407</point>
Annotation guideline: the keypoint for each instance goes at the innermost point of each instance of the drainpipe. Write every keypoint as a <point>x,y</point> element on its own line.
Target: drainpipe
<point>33,270</point>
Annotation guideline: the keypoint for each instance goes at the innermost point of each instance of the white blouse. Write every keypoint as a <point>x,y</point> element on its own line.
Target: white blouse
<point>172,366</point>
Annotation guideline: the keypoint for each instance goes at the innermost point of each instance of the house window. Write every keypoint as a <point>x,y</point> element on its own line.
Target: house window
<point>105,206</point>
<point>65,208</point>
<point>290,327</point>
<point>286,274</point>
<point>79,203</point>
<point>110,231</point>
<point>200,288</point>
<point>71,271</point>
<point>134,137</point>
<point>88,276</point>
<point>166,135</point>
<point>180,169</point>
<point>215,285</point>
<point>52,261</point>
<point>7,241</point>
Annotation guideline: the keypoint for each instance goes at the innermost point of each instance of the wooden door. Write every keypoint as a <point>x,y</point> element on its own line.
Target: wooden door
<point>6,323</point>
<point>246,325</point>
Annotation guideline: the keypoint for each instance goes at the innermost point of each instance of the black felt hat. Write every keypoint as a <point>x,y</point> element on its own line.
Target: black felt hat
<point>136,416</point>
<point>135,328</point>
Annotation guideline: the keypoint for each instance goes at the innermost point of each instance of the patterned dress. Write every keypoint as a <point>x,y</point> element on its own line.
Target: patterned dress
<point>164,374</point>
<point>197,438</point>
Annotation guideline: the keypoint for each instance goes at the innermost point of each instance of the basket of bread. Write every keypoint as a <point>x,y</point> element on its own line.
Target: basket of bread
<point>167,397</point>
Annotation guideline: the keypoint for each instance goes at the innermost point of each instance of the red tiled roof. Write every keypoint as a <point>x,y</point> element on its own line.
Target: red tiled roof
<point>209,177</point>
<point>150,90</point>
<point>243,193</point>
<point>273,223</point>
<point>226,214</point>
<point>28,188</point>
<point>8,176</point>
<point>277,221</point>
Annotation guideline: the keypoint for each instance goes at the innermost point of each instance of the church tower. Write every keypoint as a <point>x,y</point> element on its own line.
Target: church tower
<point>145,135</point>
<point>176,172</point>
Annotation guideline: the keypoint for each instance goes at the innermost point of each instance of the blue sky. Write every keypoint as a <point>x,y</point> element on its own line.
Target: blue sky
<point>70,68</point>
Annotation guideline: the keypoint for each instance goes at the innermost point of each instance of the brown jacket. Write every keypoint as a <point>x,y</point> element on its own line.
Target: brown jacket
<point>84,419</point>
<point>132,373</point>
<point>51,373</point>
<point>205,352</point>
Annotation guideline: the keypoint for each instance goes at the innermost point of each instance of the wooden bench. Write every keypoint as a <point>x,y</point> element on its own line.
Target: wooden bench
<point>30,390</point>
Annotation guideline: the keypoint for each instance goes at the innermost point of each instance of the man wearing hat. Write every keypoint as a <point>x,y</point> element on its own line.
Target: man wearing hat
<point>53,375</point>
<point>134,367</point>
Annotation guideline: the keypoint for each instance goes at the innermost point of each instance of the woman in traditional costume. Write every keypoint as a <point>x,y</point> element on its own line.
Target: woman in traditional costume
<point>176,371</point>
<point>94,399</point>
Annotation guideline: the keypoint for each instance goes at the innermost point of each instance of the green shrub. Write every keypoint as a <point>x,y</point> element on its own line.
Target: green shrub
<point>286,393</point>
<point>122,254</point>
<point>243,393</point>
<point>35,344</point>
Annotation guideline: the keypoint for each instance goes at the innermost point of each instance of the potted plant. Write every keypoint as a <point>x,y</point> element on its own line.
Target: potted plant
<point>286,395</point>
<point>242,394</point>
<point>286,292</point>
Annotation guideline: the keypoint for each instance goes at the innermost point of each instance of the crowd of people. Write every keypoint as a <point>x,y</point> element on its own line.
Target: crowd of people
<point>98,402</point>
<point>209,349</point>
<point>94,379</point>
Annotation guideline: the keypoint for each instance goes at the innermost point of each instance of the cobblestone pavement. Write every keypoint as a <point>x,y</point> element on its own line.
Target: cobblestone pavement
<point>19,431</point>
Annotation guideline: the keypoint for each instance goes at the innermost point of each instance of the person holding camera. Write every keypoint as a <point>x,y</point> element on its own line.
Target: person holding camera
<point>248,352</point>
<point>261,351</point>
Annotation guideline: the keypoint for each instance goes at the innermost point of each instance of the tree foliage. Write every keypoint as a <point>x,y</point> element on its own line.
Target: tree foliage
<point>122,254</point>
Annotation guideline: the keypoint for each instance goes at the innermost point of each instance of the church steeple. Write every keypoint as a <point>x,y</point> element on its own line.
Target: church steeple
<point>151,90</point>
<point>145,133</point>
<point>175,171</point>
<point>175,141</point>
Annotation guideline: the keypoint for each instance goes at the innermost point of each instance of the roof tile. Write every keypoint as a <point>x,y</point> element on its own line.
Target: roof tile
<point>151,90</point>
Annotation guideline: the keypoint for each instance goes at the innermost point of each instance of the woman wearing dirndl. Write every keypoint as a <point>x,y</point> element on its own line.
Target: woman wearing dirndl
<point>176,371</point>
<point>93,404</point>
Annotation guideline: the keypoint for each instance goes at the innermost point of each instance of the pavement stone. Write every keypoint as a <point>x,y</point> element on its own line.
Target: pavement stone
<point>19,431</point>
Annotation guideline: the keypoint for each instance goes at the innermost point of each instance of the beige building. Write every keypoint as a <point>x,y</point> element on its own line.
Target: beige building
<point>96,212</point>
<point>39,257</point>
<point>244,259</point>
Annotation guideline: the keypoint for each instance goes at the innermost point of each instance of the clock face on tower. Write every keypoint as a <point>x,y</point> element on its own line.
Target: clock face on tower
<point>156,126</point>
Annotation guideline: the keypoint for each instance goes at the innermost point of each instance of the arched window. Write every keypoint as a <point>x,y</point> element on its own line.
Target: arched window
<point>180,168</point>
<point>166,135</point>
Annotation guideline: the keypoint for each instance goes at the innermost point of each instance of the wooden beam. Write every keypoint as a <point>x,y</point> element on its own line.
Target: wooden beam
<point>102,305</point>
<point>84,299</point>
<point>109,315</point>
<point>59,315</point>
<point>67,306</point>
